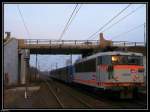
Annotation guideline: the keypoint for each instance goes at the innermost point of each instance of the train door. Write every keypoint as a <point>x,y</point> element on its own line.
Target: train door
<point>98,63</point>
<point>102,69</point>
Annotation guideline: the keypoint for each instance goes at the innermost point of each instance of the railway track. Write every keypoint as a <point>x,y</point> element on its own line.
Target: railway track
<point>43,98</point>
<point>59,88</point>
<point>55,95</point>
<point>117,103</point>
<point>100,102</point>
<point>74,96</point>
<point>55,88</point>
<point>89,102</point>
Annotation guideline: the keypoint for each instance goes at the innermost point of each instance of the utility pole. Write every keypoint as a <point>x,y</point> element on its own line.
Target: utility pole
<point>56,65</point>
<point>36,68</point>
<point>25,93</point>
<point>50,70</point>
<point>71,59</point>
<point>38,71</point>
<point>51,67</point>
<point>26,58</point>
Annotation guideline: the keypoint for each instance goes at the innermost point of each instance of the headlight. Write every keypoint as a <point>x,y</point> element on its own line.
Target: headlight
<point>114,58</point>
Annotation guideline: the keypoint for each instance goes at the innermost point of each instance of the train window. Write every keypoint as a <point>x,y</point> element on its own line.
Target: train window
<point>130,60</point>
<point>104,60</point>
<point>134,60</point>
<point>86,66</point>
<point>78,67</point>
<point>115,59</point>
<point>99,60</point>
<point>90,65</point>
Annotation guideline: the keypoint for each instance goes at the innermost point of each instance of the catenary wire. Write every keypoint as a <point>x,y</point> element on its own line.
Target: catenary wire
<point>109,21</point>
<point>123,18</point>
<point>124,33</point>
<point>68,22</point>
<point>72,19</point>
<point>23,20</point>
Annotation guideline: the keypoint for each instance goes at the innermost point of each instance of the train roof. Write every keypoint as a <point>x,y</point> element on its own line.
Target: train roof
<point>109,53</point>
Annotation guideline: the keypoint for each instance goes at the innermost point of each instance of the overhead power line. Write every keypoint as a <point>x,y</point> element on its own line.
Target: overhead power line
<point>124,33</point>
<point>123,18</point>
<point>68,21</point>
<point>72,16</point>
<point>109,21</point>
<point>26,28</point>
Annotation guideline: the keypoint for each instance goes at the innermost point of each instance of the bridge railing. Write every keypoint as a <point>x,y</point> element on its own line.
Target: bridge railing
<point>79,42</point>
<point>62,42</point>
<point>126,43</point>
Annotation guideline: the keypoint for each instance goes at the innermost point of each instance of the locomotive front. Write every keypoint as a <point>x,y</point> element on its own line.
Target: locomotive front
<point>128,70</point>
<point>126,74</point>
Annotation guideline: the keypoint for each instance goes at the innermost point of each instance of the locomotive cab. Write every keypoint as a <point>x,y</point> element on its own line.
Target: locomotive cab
<point>128,69</point>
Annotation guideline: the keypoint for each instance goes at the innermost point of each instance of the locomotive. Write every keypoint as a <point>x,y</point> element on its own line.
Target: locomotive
<point>115,71</point>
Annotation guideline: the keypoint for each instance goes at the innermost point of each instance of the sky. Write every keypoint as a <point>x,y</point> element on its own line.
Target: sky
<point>47,21</point>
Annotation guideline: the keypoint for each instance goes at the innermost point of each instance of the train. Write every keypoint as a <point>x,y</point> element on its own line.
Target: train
<point>114,70</point>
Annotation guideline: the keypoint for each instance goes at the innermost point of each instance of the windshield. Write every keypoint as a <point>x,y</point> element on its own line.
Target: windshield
<point>126,60</point>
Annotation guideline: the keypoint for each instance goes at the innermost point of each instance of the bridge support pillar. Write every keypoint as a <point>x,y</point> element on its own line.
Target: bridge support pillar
<point>24,66</point>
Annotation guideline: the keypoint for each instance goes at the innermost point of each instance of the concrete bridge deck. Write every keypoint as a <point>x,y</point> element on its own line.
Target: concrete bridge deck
<point>75,46</point>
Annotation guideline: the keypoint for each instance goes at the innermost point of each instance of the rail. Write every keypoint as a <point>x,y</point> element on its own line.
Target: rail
<point>74,96</point>
<point>52,91</point>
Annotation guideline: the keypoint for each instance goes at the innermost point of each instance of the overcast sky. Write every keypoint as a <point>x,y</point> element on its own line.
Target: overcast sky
<point>47,21</point>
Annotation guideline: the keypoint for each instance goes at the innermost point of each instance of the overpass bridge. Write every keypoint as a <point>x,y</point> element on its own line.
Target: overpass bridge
<point>43,46</point>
